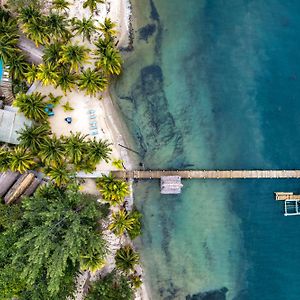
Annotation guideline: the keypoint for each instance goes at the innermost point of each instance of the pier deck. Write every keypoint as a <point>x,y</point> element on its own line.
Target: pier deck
<point>208,174</point>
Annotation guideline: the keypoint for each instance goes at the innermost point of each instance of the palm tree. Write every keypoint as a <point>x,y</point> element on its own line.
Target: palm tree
<point>52,53</point>
<point>57,26</point>
<point>110,61</point>
<point>92,261</point>
<point>54,100</point>
<point>8,47</point>
<point>112,190</point>
<point>99,150</point>
<point>118,163</point>
<point>121,222</point>
<point>66,80</point>
<point>76,147</point>
<point>108,28</point>
<point>47,73</point>
<point>33,106</point>
<point>59,174</point>
<point>4,159</point>
<point>92,82</point>
<point>29,14</point>
<point>8,26</point>
<point>60,5</point>
<point>17,67</point>
<point>37,32</point>
<point>33,136</point>
<point>85,27</point>
<point>31,73</point>
<point>92,4</point>
<point>126,259</point>
<point>102,45</point>
<point>52,151</point>
<point>75,55</point>
<point>21,160</point>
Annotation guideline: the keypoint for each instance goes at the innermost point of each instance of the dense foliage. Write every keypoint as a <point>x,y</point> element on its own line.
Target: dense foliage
<point>111,287</point>
<point>45,241</point>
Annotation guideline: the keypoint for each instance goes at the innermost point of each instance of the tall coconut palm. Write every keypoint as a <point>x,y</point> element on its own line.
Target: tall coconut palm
<point>57,26</point>
<point>66,80</point>
<point>32,137</point>
<point>92,82</point>
<point>8,47</point>
<point>92,4</point>
<point>126,259</point>
<point>110,61</point>
<point>29,14</point>
<point>33,106</point>
<point>21,160</point>
<point>8,26</point>
<point>75,55</point>
<point>48,73</point>
<point>101,45</point>
<point>108,28</point>
<point>18,67</point>
<point>85,27</point>
<point>112,190</point>
<point>76,147</point>
<point>4,159</point>
<point>52,53</point>
<point>31,73</point>
<point>60,5</point>
<point>92,261</point>
<point>59,174</point>
<point>99,150</point>
<point>121,222</point>
<point>52,151</point>
<point>37,32</point>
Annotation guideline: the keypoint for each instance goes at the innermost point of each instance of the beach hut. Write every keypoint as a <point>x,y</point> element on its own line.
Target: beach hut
<point>170,185</point>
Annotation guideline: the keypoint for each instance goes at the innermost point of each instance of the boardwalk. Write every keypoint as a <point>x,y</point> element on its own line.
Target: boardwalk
<point>209,174</point>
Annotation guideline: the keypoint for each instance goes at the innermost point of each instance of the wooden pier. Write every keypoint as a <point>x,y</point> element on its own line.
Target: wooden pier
<point>208,174</point>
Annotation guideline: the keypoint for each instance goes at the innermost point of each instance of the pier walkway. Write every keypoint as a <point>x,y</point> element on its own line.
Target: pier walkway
<point>208,174</point>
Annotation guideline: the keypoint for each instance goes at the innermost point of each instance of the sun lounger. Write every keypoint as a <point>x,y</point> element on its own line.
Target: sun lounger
<point>93,123</point>
<point>92,117</point>
<point>91,111</point>
<point>94,132</point>
<point>93,127</point>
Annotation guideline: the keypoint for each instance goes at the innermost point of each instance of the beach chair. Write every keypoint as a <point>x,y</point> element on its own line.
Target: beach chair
<point>95,132</point>
<point>92,117</point>
<point>93,123</point>
<point>91,111</point>
<point>93,127</point>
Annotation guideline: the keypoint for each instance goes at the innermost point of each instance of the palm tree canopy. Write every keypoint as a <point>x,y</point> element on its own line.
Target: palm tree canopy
<point>18,67</point>
<point>29,14</point>
<point>110,61</point>
<point>31,73</point>
<point>85,27</point>
<point>33,136</point>
<point>66,80</point>
<point>92,4</point>
<point>108,28</point>
<point>4,159</point>
<point>99,150</point>
<point>75,55</point>
<point>8,46</point>
<point>76,147</point>
<point>126,259</point>
<point>48,73</point>
<point>37,32</point>
<point>52,151</point>
<point>59,174</point>
<point>60,5</point>
<point>121,222</point>
<point>33,106</point>
<point>57,26</point>
<point>52,53</point>
<point>21,160</point>
<point>92,82</point>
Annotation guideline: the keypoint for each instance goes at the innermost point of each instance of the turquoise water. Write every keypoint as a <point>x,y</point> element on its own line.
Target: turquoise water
<point>1,69</point>
<point>215,84</point>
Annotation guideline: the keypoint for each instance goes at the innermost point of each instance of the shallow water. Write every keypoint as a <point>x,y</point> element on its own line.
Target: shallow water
<point>215,84</point>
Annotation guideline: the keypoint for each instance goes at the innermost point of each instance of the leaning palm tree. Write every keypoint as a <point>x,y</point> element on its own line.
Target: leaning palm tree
<point>66,80</point>
<point>92,4</point>
<point>59,174</point>
<point>31,73</point>
<point>110,61</point>
<point>4,159</point>
<point>52,53</point>
<point>31,137</point>
<point>76,147</point>
<point>52,151</point>
<point>99,150</point>
<point>33,106</point>
<point>17,67</point>
<point>8,46</point>
<point>21,160</point>
<point>85,27</point>
<point>112,190</point>
<point>48,73</point>
<point>92,82</point>
<point>126,259</point>
<point>60,5</point>
<point>75,55</point>
<point>121,222</point>
<point>57,26</point>
<point>108,28</point>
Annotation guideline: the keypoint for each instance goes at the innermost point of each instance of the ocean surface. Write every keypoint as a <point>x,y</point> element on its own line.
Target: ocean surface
<point>216,85</point>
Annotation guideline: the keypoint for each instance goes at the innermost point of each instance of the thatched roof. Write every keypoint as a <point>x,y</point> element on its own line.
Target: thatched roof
<point>170,185</point>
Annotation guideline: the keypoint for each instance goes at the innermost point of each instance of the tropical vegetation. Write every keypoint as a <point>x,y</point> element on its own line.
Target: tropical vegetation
<point>126,259</point>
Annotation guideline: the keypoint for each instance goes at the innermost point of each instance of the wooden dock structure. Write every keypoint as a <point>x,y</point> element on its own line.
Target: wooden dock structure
<point>208,174</point>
